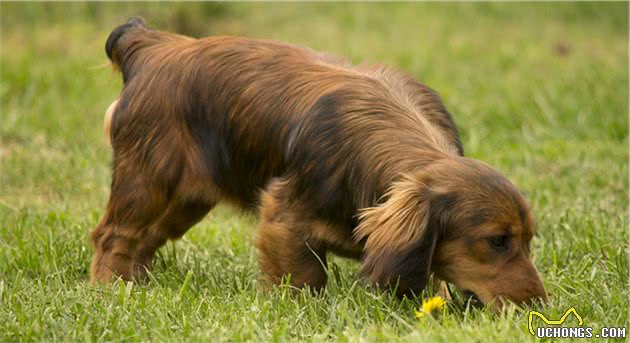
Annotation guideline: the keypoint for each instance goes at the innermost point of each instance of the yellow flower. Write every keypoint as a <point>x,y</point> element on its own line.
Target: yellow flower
<point>429,306</point>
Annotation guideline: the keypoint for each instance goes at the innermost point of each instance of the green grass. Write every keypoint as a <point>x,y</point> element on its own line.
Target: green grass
<point>556,124</point>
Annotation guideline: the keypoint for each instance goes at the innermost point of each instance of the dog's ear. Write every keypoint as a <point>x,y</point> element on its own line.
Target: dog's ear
<point>400,238</point>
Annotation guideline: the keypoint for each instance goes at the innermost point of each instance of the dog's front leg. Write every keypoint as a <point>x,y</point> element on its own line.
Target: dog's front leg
<point>286,246</point>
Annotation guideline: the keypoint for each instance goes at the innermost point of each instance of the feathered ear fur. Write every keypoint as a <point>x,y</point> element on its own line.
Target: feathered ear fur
<point>400,238</point>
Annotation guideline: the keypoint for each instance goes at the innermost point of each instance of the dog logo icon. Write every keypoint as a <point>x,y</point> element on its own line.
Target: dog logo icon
<point>553,322</point>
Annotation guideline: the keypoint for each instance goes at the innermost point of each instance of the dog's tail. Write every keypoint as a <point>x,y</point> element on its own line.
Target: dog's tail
<point>116,48</point>
<point>123,43</point>
<point>123,48</point>
<point>129,47</point>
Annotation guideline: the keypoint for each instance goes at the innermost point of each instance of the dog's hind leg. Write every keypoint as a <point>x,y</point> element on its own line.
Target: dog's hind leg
<point>141,216</point>
<point>135,203</point>
<point>180,216</point>
<point>286,245</point>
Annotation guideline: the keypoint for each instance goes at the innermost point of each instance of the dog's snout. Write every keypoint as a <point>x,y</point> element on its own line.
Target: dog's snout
<point>537,293</point>
<point>534,291</point>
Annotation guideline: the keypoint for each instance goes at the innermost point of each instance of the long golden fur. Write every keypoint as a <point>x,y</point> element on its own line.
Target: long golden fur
<point>360,161</point>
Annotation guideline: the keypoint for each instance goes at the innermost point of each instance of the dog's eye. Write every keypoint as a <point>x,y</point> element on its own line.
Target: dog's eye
<point>499,243</point>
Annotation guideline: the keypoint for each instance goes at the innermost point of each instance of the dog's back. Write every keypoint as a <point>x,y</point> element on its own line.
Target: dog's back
<point>253,109</point>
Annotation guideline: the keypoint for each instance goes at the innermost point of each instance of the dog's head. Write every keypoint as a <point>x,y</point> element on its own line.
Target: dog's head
<point>461,220</point>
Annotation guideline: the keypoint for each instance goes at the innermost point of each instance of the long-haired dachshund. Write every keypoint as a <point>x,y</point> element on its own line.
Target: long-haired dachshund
<point>360,161</point>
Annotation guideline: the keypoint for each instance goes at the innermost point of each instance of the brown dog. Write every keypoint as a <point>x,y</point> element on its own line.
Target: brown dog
<point>363,162</point>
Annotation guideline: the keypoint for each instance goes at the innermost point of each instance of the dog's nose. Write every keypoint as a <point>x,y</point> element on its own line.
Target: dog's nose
<point>538,293</point>
<point>535,290</point>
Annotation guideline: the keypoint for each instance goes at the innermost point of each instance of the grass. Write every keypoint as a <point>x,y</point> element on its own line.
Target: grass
<point>537,90</point>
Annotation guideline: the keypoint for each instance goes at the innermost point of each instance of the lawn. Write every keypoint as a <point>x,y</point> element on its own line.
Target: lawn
<point>539,91</point>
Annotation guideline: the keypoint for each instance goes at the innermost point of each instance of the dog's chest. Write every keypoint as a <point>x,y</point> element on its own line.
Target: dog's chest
<point>338,240</point>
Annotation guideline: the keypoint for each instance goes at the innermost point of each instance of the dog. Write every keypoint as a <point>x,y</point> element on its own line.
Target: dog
<point>359,161</point>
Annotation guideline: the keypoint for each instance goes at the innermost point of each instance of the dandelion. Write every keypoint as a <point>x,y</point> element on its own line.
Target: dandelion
<point>429,306</point>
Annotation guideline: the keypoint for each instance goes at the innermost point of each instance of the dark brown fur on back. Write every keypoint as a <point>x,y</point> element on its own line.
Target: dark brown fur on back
<point>312,142</point>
